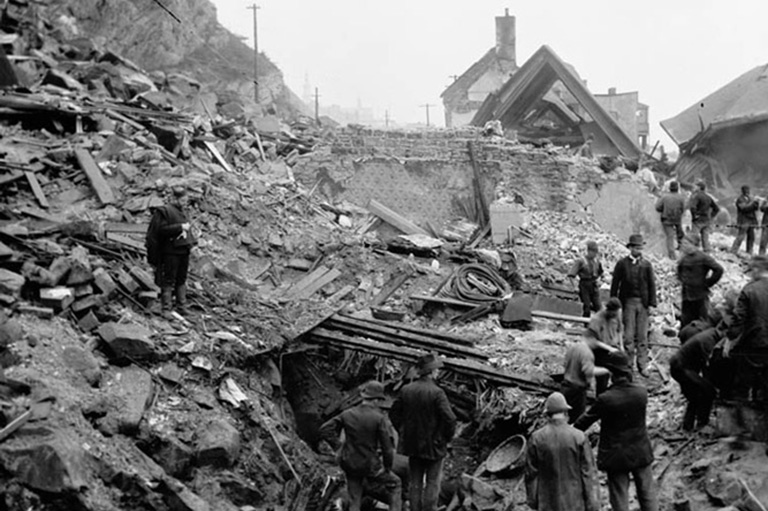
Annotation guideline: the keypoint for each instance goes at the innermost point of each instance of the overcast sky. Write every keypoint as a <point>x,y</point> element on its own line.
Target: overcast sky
<point>397,55</point>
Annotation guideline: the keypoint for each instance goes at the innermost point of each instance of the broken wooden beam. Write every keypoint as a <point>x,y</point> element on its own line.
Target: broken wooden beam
<point>218,157</point>
<point>394,218</point>
<point>536,313</point>
<point>437,334</point>
<point>307,286</point>
<point>37,190</point>
<point>390,287</point>
<point>100,185</point>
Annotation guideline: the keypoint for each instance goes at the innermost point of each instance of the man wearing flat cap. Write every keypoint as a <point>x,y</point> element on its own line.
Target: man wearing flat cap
<point>560,468</point>
<point>703,210</point>
<point>169,242</point>
<point>366,432</point>
<point>427,424</point>
<point>634,283</point>
<point>671,206</point>
<point>624,449</point>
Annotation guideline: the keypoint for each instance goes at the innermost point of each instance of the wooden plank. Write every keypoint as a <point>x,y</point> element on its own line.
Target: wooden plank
<point>260,145</point>
<point>120,117</point>
<point>39,214</point>
<point>304,282</point>
<point>385,334</point>
<point>318,284</point>
<point>10,177</point>
<point>100,185</point>
<point>445,336</point>
<point>560,317</point>
<point>217,156</point>
<point>390,287</point>
<point>394,219</point>
<point>126,228</point>
<point>125,240</point>
<point>37,190</point>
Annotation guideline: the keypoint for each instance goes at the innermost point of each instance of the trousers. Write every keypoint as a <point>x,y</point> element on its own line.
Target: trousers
<point>747,232</point>
<point>691,310</point>
<point>618,489</point>
<point>698,391</point>
<point>589,293</point>
<point>635,317</point>
<point>424,486</point>
<point>384,487</point>
<point>703,228</point>
<point>674,234</point>
<point>576,397</point>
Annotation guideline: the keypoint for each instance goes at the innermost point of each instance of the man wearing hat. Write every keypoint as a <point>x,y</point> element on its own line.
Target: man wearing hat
<point>672,206</point>
<point>697,273</point>
<point>427,424</point>
<point>589,269</point>
<point>560,468</point>
<point>634,284</point>
<point>169,242</point>
<point>624,448</point>
<point>746,220</point>
<point>703,210</point>
<point>365,433</point>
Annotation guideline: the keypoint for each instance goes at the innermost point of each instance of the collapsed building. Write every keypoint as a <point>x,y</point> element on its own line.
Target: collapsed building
<point>721,137</point>
<point>325,259</point>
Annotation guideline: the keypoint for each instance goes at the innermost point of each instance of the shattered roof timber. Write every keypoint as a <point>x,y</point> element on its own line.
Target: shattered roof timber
<point>742,101</point>
<point>533,81</point>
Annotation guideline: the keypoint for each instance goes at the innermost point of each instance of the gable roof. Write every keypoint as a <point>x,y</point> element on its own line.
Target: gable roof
<point>741,101</point>
<point>463,83</point>
<point>532,81</point>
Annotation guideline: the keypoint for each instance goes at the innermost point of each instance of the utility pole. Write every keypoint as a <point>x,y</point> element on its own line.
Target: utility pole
<point>255,8</point>
<point>426,107</point>
<point>386,118</point>
<point>317,107</point>
<point>455,77</point>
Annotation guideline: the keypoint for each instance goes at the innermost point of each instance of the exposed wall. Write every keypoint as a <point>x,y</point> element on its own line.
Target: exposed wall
<point>623,108</point>
<point>425,175</point>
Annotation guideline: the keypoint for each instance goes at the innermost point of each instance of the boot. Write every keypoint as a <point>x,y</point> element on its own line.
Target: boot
<point>181,299</point>
<point>166,300</point>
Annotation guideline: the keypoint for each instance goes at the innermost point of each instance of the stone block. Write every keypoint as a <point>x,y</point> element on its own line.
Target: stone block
<point>127,340</point>
<point>175,457</point>
<point>89,302</point>
<point>59,269</point>
<point>88,322</point>
<point>10,282</point>
<point>145,280</point>
<point>126,281</point>
<point>131,390</point>
<point>58,298</point>
<point>83,290</point>
<point>40,312</point>
<point>218,444</point>
<point>103,282</point>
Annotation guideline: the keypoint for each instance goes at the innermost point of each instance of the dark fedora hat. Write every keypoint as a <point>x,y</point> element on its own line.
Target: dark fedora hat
<point>618,364</point>
<point>636,240</point>
<point>427,363</point>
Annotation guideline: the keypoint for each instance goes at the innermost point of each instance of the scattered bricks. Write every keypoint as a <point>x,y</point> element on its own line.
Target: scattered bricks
<point>127,340</point>
<point>88,322</point>
<point>218,444</point>
<point>10,282</point>
<point>103,282</point>
<point>84,290</point>
<point>145,280</point>
<point>40,312</point>
<point>89,302</point>
<point>126,281</point>
<point>58,298</point>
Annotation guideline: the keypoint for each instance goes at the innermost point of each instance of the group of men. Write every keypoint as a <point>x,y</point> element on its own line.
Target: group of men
<point>672,205</point>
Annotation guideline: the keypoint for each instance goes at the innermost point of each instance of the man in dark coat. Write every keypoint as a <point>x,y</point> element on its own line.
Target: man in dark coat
<point>366,431</point>
<point>169,242</point>
<point>763,228</point>
<point>688,366</point>
<point>634,283</point>
<point>427,424</point>
<point>697,273</point>
<point>560,468</point>
<point>672,206</point>
<point>703,210</point>
<point>624,448</point>
<point>746,220</point>
<point>589,269</point>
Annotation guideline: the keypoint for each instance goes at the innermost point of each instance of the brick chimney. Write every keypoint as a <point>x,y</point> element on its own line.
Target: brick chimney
<point>505,37</point>
<point>612,91</point>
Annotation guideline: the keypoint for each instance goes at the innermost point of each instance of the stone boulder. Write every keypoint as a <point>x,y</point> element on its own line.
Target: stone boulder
<point>127,340</point>
<point>218,444</point>
<point>10,282</point>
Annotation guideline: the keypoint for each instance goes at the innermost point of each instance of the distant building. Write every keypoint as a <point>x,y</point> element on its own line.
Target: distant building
<point>628,112</point>
<point>465,95</point>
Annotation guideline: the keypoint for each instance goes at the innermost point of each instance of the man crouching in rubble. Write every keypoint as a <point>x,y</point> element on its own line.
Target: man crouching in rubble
<point>560,468</point>
<point>427,424</point>
<point>366,430</point>
<point>169,242</point>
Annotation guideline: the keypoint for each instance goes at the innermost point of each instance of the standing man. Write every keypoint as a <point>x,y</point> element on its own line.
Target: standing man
<point>169,242</point>
<point>746,220</point>
<point>697,272</point>
<point>703,210</point>
<point>589,269</point>
<point>580,372</point>
<point>634,283</point>
<point>624,447</point>
<point>427,424</point>
<point>672,206</point>
<point>560,469</point>
<point>763,228</point>
<point>365,432</point>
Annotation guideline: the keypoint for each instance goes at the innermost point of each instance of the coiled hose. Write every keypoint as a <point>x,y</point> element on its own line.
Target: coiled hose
<point>476,283</point>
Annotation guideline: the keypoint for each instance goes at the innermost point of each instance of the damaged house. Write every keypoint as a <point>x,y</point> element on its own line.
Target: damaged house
<point>722,137</point>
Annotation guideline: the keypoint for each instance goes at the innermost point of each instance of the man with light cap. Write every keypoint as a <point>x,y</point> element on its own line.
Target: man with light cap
<point>703,210</point>
<point>697,273</point>
<point>169,242</point>
<point>427,424</point>
<point>366,432</point>
<point>624,449</point>
<point>589,269</point>
<point>560,467</point>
